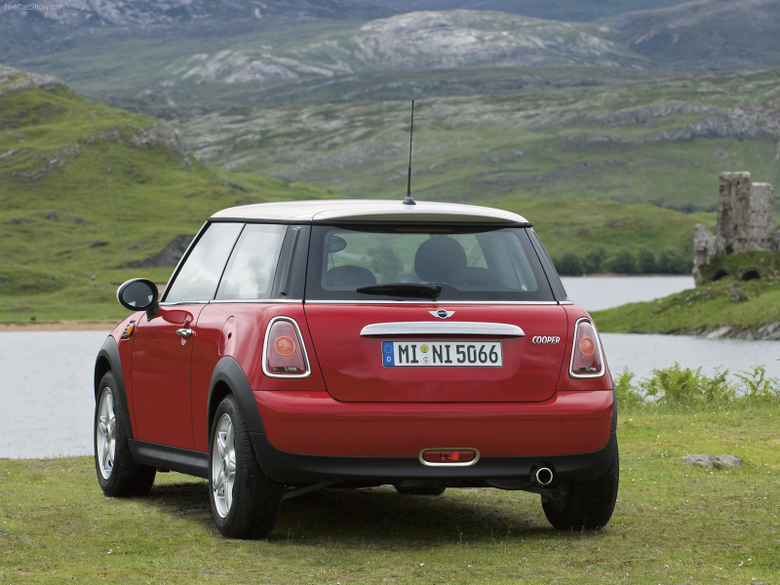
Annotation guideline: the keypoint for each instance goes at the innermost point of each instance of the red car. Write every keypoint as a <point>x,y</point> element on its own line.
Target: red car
<point>309,344</point>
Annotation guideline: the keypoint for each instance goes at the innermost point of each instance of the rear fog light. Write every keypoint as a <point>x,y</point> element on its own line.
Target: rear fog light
<point>454,457</point>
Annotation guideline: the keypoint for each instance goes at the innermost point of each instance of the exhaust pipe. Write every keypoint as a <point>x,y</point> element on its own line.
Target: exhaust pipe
<point>542,477</point>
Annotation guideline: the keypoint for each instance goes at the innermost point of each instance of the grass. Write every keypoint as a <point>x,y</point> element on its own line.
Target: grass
<point>673,523</point>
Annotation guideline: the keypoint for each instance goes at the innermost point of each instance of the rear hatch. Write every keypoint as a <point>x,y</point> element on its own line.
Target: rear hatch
<point>407,353</point>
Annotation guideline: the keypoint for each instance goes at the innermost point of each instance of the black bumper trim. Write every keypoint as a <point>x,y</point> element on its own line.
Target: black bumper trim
<point>295,469</point>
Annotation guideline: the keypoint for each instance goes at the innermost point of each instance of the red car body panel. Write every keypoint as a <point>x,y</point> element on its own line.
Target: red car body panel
<point>353,369</point>
<point>161,377</point>
<point>238,330</point>
<point>316,424</point>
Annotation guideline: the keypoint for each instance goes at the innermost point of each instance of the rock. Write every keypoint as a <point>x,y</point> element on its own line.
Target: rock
<point>720,332</point>
<point>717,462</point>
<point>98,244</point>
<point>735,292</point>
<point>703,251</point>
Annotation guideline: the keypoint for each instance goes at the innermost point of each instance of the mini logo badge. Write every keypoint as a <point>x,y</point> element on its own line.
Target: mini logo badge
<point>442,313</point>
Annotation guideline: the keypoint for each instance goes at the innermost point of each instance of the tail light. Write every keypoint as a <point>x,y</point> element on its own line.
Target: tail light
<point>284,355</point>
<point>587,360</point>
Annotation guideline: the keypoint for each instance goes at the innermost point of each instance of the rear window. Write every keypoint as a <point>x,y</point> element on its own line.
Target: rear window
<point>418,262</point>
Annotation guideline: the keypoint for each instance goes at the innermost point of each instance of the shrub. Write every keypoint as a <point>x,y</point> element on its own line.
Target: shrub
<point>628,396</point>
<point>645,260</point>
<point>592,261</point>
<point>676,387</point>
<point>759,388</point>
<point>623,262</point>
<point>570,264</point>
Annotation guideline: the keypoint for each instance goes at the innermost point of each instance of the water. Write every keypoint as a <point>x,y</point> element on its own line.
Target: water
<point>595,293</point>
<point>46,399</point>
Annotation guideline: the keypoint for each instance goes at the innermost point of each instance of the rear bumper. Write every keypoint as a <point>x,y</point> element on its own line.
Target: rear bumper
<point>511,472</point>
<point>310,437</point>
<point>316,424</point>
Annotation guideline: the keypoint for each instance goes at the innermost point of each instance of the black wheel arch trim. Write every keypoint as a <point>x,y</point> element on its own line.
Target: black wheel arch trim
<point>108,360</point>
<point>296,469</point>
<point>229,374</point>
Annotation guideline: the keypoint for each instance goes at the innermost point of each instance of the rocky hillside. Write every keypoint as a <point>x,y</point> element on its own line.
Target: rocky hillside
<point>656,140</point>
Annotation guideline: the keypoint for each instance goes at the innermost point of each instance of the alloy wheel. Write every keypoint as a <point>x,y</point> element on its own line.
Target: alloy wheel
<point>223,465</point>
<point>106,433</point>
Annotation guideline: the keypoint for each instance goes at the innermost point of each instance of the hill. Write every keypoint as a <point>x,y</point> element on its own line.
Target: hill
<point>87,189</point>
<point>88,192</point>
<point>555,133</point>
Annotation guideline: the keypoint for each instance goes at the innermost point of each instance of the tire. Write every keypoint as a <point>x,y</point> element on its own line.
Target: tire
<point>117,473</point>
<point>589,504</point>
<point>245,503</point>
<point>421,490</point>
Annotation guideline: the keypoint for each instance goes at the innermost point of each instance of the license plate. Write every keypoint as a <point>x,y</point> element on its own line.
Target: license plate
<point>485,354</point>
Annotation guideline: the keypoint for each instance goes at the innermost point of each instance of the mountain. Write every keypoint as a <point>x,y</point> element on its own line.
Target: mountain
<point>562,10</point>
<point>87,190</point>
<point>140,14</point>
<point>702,35</point>
<point>139,45</point>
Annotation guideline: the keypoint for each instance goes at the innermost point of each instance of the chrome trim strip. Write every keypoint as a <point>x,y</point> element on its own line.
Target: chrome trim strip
<point>442,328</point>
<point>466,464</point>
<point>307,373</point>
<point>598,347</point>
<point>427,302</point>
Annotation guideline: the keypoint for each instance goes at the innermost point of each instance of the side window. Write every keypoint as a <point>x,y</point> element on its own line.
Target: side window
<point>250,271</point>
<point>198,278</point>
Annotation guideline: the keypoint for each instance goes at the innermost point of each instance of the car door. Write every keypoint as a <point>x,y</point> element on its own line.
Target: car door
<point>163,345</point>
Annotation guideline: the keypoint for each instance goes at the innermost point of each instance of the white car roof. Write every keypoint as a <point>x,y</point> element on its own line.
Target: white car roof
<point>329,210</point>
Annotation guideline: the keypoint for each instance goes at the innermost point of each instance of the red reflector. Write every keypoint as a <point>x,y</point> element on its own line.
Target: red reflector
<point>449,456</point>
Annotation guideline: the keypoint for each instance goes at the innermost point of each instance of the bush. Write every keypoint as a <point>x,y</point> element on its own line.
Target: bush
<point>677,387</point>
<point>569,264</point>
<point>759,388</point>
<point>645,260</point>
<point>672,261</point>
<point>623,262</point>
<point>593,259</point>
<point>628,396</point>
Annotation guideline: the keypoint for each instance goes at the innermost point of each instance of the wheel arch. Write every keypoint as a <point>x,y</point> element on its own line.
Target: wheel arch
<point>109,360</point>
<point>228,378</point>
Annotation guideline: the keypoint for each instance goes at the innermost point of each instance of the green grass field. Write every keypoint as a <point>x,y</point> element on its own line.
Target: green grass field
<point>674,523</point>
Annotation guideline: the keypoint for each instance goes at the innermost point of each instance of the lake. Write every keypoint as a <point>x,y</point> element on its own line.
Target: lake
<point>46,400</point>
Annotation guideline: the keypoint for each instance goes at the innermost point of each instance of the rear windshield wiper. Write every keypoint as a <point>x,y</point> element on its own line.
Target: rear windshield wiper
<point>403,289</point>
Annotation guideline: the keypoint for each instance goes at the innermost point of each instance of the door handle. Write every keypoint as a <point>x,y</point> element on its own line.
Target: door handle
<point>185,333</point>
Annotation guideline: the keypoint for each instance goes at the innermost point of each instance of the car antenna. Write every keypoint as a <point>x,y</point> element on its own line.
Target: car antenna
<point>409,200</point>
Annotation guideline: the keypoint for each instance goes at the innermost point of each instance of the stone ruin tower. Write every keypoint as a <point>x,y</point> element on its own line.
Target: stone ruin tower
<point>746,221</point>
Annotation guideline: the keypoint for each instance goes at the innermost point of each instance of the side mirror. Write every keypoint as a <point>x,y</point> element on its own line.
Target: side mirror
<point>139,294</point>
